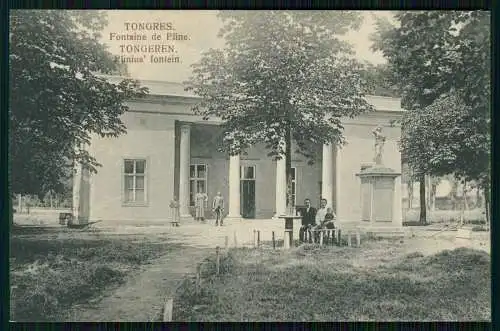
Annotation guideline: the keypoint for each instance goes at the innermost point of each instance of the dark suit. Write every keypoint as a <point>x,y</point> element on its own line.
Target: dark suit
<point>308,219</point>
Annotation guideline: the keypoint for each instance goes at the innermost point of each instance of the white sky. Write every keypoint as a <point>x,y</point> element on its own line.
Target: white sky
<point>202,27</point>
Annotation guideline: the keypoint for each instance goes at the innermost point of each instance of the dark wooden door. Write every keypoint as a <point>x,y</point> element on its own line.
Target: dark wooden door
<point>247,195</point>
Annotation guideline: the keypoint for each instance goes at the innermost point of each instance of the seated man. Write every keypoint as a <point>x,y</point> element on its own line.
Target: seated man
<point>308,218</point>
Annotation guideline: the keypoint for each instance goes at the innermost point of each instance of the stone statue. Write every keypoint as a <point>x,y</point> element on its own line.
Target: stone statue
<point>379,144</point>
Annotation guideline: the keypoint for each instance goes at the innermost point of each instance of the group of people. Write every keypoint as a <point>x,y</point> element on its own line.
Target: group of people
<point>312,219</point>
<point>200,199</point>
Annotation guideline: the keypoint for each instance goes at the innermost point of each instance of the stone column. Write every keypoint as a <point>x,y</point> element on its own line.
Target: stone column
<point>327,174</point>
<point>280,186</point>
<point>338,180</point>
<point>77,184</point>
<point>185,160</point>
<point>234,187</point>
<point>85,196</point>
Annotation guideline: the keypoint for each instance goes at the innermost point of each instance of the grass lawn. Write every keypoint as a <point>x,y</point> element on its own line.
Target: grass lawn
<point>53,269</point>
<point>377,282</point>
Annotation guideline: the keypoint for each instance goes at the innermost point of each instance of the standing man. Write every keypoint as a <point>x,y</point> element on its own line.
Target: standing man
<point>200,199</point>
<point>218,208</point>
<point>308,218</point>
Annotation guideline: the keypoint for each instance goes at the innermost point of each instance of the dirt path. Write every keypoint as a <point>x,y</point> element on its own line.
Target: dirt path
<point>142,297</point>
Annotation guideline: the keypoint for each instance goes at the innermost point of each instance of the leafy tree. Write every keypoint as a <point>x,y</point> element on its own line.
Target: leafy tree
<point>282,77</point>
<point>378,79</point>
<point>440,61</point>
<point>58,96</point>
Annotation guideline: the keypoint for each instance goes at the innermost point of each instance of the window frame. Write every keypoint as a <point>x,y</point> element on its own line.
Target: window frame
<point>242,172</point>
<point>135,203</point>
<point>196,179</point>
<point>294,183</point>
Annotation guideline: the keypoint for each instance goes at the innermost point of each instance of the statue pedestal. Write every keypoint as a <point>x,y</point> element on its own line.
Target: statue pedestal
<point>288,235</point>
<point>377,201</point>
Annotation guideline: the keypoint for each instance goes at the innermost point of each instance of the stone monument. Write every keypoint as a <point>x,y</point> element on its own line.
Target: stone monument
<point>378,194</point>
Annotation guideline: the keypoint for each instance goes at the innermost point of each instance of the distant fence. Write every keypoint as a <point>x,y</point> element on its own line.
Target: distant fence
<point>43,210</point>
<point>446,203</point>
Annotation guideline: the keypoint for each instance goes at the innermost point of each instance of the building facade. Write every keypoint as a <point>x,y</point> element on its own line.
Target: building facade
<point>169,152</point>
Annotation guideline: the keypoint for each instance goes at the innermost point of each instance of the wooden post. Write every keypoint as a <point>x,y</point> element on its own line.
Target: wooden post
<point>274,241</point>
<point>339,238</point>
<point>198,277</point>
<point>226,243</point>
<point>217,260</point>
<point>254,238</point>
<point>235,240</point>
<point>358,239</point>
<point>258,238</point>
<point>167,311</point>
<point>349,239</point>
<point>321,233</point>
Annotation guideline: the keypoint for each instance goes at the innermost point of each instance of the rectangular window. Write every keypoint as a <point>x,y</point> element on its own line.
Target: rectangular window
<point>197,181</point>
<point>134,172</point>
<point>294,186</point>
<point>247,172</point>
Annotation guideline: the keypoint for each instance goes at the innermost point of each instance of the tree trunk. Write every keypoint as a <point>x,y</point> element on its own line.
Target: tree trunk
<point>479,203</point>
<point>487,203</point>
<point>466,204</point>
<point>427,193</point>
<point>423,208</point>
<point>410,194</point>
<point>11,214</point>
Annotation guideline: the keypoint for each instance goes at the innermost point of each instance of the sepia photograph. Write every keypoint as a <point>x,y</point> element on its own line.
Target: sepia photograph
<point>249,166</point>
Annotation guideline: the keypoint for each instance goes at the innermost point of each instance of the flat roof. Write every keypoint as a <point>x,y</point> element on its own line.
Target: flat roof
<point>176,89</point>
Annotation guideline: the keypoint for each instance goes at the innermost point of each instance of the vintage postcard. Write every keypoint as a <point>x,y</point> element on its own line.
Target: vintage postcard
<point>212,166</point>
